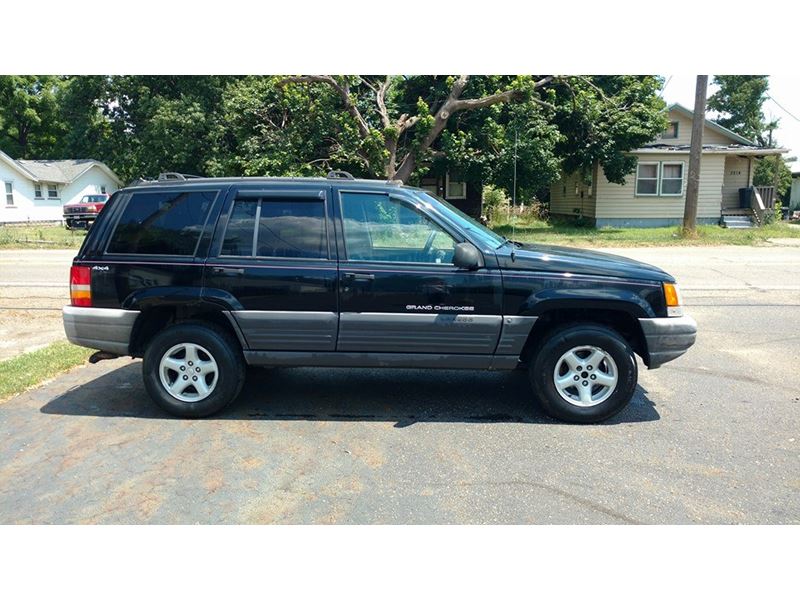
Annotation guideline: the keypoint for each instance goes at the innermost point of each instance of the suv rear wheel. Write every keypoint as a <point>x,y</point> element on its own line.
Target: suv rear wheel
<point>193,369</point>
<point>584,373</point>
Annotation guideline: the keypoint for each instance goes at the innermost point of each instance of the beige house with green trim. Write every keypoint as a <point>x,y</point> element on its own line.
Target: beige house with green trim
<point>654,195</point>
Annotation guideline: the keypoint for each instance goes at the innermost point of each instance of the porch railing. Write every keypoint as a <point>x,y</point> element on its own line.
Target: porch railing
<point>762,202</point>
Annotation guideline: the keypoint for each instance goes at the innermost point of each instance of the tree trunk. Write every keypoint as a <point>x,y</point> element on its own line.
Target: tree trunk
<point>695,152</point>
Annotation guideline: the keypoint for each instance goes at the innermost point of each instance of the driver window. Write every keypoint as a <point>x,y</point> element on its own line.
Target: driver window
<point>377,228</point>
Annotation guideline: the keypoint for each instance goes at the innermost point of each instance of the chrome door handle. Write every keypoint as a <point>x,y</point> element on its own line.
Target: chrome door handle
<point>360,276</point>
<point>228,270</point>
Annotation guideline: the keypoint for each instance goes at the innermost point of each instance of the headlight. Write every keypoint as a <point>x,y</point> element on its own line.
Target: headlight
<point>674,300</point>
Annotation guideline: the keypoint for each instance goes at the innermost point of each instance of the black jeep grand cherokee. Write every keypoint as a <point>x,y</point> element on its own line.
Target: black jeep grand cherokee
<point>204,276</point>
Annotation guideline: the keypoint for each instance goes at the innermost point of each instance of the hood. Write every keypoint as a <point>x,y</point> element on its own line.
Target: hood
<point>561,259</point>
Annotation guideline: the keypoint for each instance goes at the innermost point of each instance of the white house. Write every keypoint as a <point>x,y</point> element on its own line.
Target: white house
<point>36,190</point>
<point>794,195</point>
<point>654,195</point>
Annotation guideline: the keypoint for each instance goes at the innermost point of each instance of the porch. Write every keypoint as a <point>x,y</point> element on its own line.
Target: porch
<point>755,202</point>
<point>744,204</point>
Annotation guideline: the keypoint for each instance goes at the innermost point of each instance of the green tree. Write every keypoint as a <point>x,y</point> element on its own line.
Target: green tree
<point>739,101</point>
<point>162,123</point>
<point>399,127</point>
<point>84,104</point>
<point>30,123</point>
<point>764,174</point>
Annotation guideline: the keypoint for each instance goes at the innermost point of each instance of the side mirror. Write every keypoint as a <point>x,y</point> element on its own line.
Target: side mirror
<point>467,256</point>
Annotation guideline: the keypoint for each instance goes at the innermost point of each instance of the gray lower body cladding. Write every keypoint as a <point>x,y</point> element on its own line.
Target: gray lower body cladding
<point>668,338</point>
<point>288,330</point>
<point>430,333</point>
<point>106,329</point>
<point>380,359</point>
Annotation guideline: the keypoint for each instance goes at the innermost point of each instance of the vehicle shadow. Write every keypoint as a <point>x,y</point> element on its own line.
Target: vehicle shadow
<point>402,396</point>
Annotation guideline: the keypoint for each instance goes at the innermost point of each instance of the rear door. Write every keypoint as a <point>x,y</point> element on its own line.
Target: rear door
<point>273,263</point>
<point>399,289</point>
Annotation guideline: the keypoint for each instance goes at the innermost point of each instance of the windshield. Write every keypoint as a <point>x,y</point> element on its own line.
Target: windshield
<point>97,198</point>
<point>476,229</point>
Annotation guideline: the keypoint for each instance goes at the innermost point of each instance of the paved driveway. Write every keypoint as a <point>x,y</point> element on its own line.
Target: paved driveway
<point>711,438</point>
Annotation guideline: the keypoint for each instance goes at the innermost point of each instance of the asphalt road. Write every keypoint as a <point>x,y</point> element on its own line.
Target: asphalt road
<point>34,285</point>
<point>713,437</point>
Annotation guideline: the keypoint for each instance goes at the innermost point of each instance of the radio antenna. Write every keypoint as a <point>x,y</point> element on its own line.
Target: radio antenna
<point>514,196</point>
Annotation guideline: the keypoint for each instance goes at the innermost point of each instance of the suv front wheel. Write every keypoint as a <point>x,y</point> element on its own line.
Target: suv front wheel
<point>584,373</point>
<point>193,369</point>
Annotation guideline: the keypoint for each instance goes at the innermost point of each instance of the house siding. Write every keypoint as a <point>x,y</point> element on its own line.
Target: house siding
<point>28,208</point>
<point>567,201</point>
<point>738,174</point>
<point>710,136</point>
<point>620,201</point>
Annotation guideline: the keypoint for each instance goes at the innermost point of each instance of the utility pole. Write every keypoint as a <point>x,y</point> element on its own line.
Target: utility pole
<point>695,151</point>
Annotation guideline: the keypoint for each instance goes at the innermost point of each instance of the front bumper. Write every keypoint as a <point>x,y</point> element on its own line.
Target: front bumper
<point>80,220</point>
<point>667,338</point>
<point>106,329</point>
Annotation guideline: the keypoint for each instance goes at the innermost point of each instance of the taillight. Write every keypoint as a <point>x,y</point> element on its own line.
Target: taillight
<point>80,286</point>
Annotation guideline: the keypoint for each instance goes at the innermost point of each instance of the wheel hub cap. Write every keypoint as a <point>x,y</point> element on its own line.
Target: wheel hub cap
<point>188,372</point>
<point>585,376</point>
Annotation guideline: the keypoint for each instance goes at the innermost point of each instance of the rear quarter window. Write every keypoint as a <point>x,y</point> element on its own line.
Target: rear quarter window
<point>167,223</point>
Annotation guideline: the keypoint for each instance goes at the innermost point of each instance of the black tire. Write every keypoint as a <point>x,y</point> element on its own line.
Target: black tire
<point>224,349</point>
<point>561,340</point>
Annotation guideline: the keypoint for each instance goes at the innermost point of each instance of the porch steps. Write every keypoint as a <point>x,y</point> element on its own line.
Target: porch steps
<point>737,222</point>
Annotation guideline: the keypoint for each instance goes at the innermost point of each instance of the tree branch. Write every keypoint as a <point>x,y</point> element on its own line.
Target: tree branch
<point>380,98</point>
<point>453,104</point>
<point>343,89</point>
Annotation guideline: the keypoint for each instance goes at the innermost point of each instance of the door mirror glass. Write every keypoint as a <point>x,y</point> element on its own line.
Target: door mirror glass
<point>467,256</point>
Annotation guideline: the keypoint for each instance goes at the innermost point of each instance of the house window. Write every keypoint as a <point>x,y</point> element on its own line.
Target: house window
<point>52,191</point>
<point>37,191</point>
<point>671,132</point>
<point>647,179</point>
<point>456,186</point>
<point>9,194</point>
<point>102,189</point>
<point>671,179</point>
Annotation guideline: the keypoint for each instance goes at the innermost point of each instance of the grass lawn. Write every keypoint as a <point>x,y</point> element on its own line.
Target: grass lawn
<point>39,236</point>
<point>568,234</point>
<point>32,368</point>
<point>555,231</point>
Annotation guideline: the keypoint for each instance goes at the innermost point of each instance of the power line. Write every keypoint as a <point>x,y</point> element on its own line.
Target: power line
<point>783,109</point>
<point>664,89</point>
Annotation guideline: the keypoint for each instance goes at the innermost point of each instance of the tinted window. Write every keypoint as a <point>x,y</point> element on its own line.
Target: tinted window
<point>239,233</point>
<point>162,223</point>
<point>293,229</point>
<point>378,228</point>
<point>286,229</point>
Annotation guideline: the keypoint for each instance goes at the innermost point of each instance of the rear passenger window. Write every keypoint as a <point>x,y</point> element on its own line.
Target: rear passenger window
<point>286,229</point>
<point>239,233</point>
<point>162,223</point>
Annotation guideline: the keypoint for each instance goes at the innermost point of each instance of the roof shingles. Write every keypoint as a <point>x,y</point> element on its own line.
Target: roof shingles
<point>57,171</point>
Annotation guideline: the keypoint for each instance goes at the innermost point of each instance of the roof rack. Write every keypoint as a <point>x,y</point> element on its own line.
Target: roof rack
<point>339,175</point>
<point>172,176</point>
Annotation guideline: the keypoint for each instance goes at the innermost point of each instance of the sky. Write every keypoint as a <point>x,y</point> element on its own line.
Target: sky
<point>783,88</point>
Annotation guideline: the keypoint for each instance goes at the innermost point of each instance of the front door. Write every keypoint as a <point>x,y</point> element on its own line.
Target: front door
<point>273,262</point>
<point>399,291</point>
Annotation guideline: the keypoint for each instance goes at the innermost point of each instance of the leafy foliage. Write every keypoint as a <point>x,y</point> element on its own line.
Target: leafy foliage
<point>764,174</point>
<point>739,100</point>
<point>373,126</point>
<point>30,123</point>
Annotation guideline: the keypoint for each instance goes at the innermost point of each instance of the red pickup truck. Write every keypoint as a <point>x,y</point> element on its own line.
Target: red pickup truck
<point>82,214</point>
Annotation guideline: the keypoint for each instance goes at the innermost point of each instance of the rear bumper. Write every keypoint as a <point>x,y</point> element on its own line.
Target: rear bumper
<point>668,338</point>
<point>106,329</point>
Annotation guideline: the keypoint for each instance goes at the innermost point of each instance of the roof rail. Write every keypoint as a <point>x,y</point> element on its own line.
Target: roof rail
<point>172,176</point>
<point>339,175</point>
